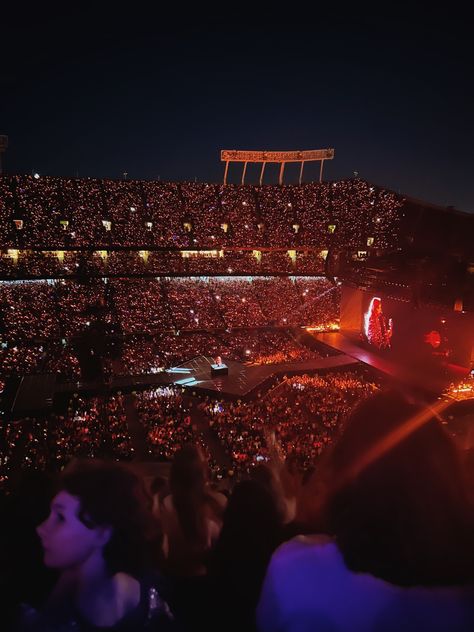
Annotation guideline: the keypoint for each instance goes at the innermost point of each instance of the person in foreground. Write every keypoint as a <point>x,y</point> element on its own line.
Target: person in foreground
<point>96,538</point>
<point>400,554</point>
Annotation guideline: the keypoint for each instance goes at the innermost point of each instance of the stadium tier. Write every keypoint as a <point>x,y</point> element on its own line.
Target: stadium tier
<point>55,213</point>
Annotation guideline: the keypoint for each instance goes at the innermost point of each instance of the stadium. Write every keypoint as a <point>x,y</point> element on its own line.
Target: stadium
<point>138,317</point>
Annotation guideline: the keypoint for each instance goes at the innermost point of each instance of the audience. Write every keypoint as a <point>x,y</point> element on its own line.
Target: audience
<point>100,272</point>
<point>64,212</point>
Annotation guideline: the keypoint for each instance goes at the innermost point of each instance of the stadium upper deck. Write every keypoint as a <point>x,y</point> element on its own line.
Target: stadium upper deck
<point>64,213</point>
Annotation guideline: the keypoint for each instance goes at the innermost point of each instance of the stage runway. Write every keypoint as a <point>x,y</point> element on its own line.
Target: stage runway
<point>242,382</point>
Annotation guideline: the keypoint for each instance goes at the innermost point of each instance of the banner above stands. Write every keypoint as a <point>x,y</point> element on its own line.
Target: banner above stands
<point>281,157</point>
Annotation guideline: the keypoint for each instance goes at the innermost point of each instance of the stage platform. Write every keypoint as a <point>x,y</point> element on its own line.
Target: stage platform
<point>242,382</point>
<point>433,382</point>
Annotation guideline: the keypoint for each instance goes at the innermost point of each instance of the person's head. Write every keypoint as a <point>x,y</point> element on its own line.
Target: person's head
<point>159,486</point>
<point>375,306</point>
<point>252,529</point>
<point>404,514</point>
<point>252,514</point>
<point>188,470</point>
<point>188,485</point>
<point>101,509</point>
<point>265,476</point>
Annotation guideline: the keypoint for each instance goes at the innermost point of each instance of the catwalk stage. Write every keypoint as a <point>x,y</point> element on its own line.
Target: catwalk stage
<point>243,381</point>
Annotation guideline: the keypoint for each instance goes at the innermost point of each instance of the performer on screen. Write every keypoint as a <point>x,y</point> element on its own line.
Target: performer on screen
<point>377,329</point>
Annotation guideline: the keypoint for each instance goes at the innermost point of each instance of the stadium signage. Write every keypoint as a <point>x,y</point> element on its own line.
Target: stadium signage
<point>280,157</point>
<point>276,156</point>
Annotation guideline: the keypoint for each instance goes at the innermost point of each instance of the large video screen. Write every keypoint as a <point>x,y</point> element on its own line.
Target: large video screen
<point>425,336</point>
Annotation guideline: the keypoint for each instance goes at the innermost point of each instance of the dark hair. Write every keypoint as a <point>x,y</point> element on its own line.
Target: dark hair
<point>159,485</point>
<point>251,531</point>
<point>405,516</point>
<point>112,495</point>
<point>251,528</point>
<point>188,478</point>
<point>265,476</point>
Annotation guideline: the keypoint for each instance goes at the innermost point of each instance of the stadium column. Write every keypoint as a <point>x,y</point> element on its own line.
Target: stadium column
<point>244,172</point>
<point>225,172</point>
<point>301,171</point>
<point>262,172</point>
<point>282,171</point>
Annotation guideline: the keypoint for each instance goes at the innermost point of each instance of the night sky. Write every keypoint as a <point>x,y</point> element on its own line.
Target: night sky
<point>156,96</point>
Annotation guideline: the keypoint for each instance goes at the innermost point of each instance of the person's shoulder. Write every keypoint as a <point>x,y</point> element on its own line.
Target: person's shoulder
<point>128,590</point>
<point>304,543</point>
<point>220,498</point>
<point>306,548</point>
<point>168,503</point>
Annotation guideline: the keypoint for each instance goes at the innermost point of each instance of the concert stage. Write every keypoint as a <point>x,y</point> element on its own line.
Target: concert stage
<point>430,381</point>
<point>426,347</point>
<point>242,382</point>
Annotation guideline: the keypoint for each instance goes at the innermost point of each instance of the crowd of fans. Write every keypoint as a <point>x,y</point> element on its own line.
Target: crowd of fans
<point>24,359</point>
<point>43,323</point>
<point>28,311</point>
<point>291,446</point>
<point>265,347</point>
<point>183,550</point>
<point>93,427</point>
<point>151,354</point>
<point>305,412</point>
<point>53,212</point>
<point>140,305</point>
<point>167,421</point>
<point>48,310</point>
<point>21,359</point>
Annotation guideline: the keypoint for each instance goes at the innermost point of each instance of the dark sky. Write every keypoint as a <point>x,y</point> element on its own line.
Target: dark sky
<point>153,95</point>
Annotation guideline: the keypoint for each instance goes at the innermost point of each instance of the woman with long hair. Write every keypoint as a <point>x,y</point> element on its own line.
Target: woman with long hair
<point>191,520</point>
<point>191,514</point>
<point>376,328</point>
<point>252,529</point>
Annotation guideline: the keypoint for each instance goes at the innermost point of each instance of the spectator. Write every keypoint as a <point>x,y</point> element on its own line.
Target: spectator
<point>191,514</point>
<point>192,519</point>
<point>96,537</point>
<point>402,554</point>
<point>252,529</point>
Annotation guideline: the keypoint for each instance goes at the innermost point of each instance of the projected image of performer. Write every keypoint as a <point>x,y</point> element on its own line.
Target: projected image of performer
<point>377,329</point>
